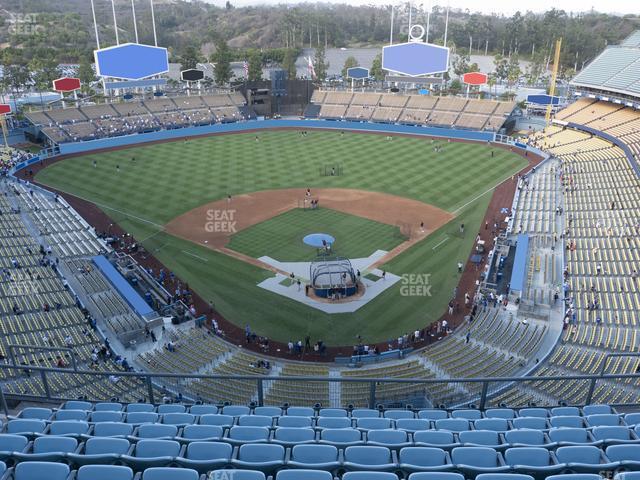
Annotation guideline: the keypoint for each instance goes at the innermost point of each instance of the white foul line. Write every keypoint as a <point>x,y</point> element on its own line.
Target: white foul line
<point>457,210</point>
<point>194,255</point>
<point>436,246</point>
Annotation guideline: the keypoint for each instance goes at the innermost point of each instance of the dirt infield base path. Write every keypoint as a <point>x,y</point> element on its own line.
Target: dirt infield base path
<point>214,223</point>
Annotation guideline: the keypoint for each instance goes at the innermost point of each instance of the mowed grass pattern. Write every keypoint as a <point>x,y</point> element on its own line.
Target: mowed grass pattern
<point>168,179</point>
<point>281,237</point>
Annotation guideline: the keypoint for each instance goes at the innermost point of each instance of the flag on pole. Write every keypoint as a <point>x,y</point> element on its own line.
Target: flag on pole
<point>310,69</point>
<point>245,66</point>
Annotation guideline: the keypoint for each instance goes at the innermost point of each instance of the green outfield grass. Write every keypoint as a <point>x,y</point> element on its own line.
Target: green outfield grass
<point>168,179</point>
<point>281,237</point>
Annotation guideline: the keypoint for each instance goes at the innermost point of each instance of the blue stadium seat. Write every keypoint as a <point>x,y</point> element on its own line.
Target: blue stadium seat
<point>303,475</point>
<point>627,476</point>
<point>398,414</point>
<point>264,457</point>
<point>178,419</point>
<point>575,476</point>
<point>369,476</point>
<point>484,438</point>
<point>365,413</point>
<point>369,458</point>
<point>475,460</point>
<point>565,411</point>
<point>582,459</point>
<point>255,421</point>
<point>104,472</point>
<point>171,408</point>
<point>156,430</point>
<point>505,413</point>
<point>469,414</point>
<point>48,448</point>
<point>436,476</point>
<point>28,427</point>
<point>596,410</point>
<point>301,412</point>
<point>536,423</point>
<point>494,424</point>
<point>40,471</point>
<point>138,418</point>
<point>413,424</point>
<point>68,427</point>
<point>341,437</point>
<point>37,413</point>
<point>503,476</point>
<point>453,424</point>
<point>167,473</point>
<point>71,415</point>
<point>632,419</point>
<point>203,409</point>
<point>627,456</point>
<point>602,419</point>
<point>433,414</point>
<point>535,461</point>
<point>219,420</point>
<point>614,435</point>
<point>140,407</point>
<point>239,435</point>
<point>77,405</point>
<point>236,410</point>
<point>294,422</point>
<point>333,422</point>
<point>112,429</point>
<point>101,450</point>
<point>106,416</point>
<point>315,457</point>
<point>570,436</point>
<point>570,421</point>
<point>205,456</point>
<point>107,407</point>
<point>525,437</point>
<point>533,412</point>
<point>421,459</point>
<point>394,439</point>
<point>201,432</point>
<point>289,436</point>
<point>332,412</point>
<point>237,474</point>
<point>374,423</point>
<point>268,411</point>
<point>10,443</point>
<point>152,453</point>
<point>435,438</point>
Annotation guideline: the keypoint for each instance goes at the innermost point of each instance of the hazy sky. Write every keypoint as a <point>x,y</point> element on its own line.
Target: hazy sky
<point>488,6</point>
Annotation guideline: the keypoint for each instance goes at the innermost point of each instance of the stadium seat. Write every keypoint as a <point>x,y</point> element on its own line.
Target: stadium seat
<point>435,438</point>
<point>503,476</point>
<point>48,448</point>
<point>156,430</point>
<point>569,421</point>
<point>68,427</point>
<point>341,437</point>
<point>565,411</point>
<point>219,420</point>
<point>575,476</point>
<point>255,421</point>
<point>582,459</point>
<point>365,413</point>
<point>632,419</point>
<point>602,419</point>
<point>433,414</point>
<point>35,413</point>
<point>237,474</point>
<point>138,418</point>
<point>239,435</point>
<point>626,456</point>
<point>40,471</point>
<point>301,412</point>
<point>315,457</point>
<point>10,443</point>
<point>374,423</point>
<point>394,439</point>
<point>536,423</point>
<point>398,414</point>
<point>475,460</point>
<point>294,422</point>
<point>168,473</point>
<point>236,410</point>
<point>77,405</point>
<point>627,476</point>
<point>333,422</point>
<point>484,438</point>
<point>596,410</point>
<point>412,424</point>
<point>28,427</point>
<point>178,419</point>
<point>417,459</point>
<point>170,408</point>
<point>107,407</point>
<point>468,414</point>
<point>112,429</point>
<point>104,472</point>
<point>570,436</point>
<point>493,424</point>
<point>268,411</point>
<point>368,458</point>
<point>525,437</point>
<point>369,476</point>
<point>140,407</point>
<point>101,450</point>
<point>614,435</point>
<point>288,436</point>
<point>436,476</point>
<point>505,413</point>
<point>534,461</point>
<point>203,409</point>
<point>71,415</point>
<point>201,432</point>
<point>533,412</point>
<point>303,475</point>
<point>205,456</point>
<point>152,453</point>
<point>264,457</point>
<point>332,412</point>
<point>453,424</point>
<point>106,416</point>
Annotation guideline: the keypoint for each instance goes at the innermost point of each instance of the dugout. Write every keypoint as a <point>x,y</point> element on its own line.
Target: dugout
<point>333,277</point>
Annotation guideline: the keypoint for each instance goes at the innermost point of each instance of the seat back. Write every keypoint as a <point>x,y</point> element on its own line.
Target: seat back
<point>203,409</point>
<point>374,423</point>
<point>475,456</point>
<point>332,412</point>
<point>249,433</point>
<point>137,418</point>
<point>68,427</point>
<point>469,414</point>
<point>570,421</point>
<point>51,444</point>
<point>71,415</point>
<point>171,408</point>
<point>494,424</point>
<point>220,420</point>
<point>314,454</point>
<point>255,420</point>
<point>480,437</point>
<point>505,413</point>
<point>534,412</point>
<point>303,475</point>
<point>178,418</point>
<point>170,473</point>
<point>286,434</point>
<point>537,423</point>
<point>524,437</point>
<point>341,435</point>
<point>12,443</point>
<point>41,470</point>
<point>573,435</point>
<point>434,437</point>
<point>140,407</point>
<point>106,416</point>
<point>334,422</point>
<point>423,456</point>
<point>37,413</point>
<point>530,456</point>
<point>587,454</point>
<point>148,448</point>
<point>112,429</point>
<point>156,430</point>
<point>268,411</point>
<point>433,414</point>
<point>198,432</point>
<point>295,422</point>
<point>77,405</point>
<point>389,436</point>
<point>208,451</point>
<point>108,407</point>
<point>26,426</point>
<point>258,453</point>
<point>453,424</point>
<point>102,446</point>
<point>619,453</point>
<point>367,455</point>
<point>236,410</point>
<point>611,433</point>
<point>104,472</point>
<point>596,409</point>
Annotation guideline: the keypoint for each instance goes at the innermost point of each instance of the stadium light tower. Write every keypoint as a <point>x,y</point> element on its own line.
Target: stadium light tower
<point>554,78</point>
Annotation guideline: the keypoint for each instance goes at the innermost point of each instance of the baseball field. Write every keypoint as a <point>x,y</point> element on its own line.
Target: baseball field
<point>205,207</point>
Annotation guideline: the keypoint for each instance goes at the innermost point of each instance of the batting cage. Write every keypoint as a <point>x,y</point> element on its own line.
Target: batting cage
<point>332,277</point>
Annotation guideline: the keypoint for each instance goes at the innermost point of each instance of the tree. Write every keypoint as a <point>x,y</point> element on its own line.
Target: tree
<point>320,64</point>
<point>289,63</point>
<point>461,64</point>
<point>350,62</point>
<point>255,66</point>
<point>190,58</point>
<point>455,86</point>
<point>222,60</point>
<point>513,70</point>
<point>376,68</point>
<point>86,75</point>
<point>501,67</point>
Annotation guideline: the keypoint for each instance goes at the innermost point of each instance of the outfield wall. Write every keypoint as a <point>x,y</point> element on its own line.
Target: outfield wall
<point>90,145</point>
